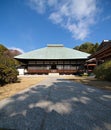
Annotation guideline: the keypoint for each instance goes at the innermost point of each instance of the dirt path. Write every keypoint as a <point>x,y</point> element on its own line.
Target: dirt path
<point>57,104</point>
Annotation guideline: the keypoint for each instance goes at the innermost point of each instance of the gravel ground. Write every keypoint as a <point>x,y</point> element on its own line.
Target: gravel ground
<point>57,104</point>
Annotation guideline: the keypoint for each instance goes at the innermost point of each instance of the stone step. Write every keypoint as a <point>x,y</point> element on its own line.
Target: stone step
<point>53,74</point>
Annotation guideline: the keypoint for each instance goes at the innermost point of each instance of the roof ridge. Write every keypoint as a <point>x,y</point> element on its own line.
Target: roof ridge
<point>55,45</point>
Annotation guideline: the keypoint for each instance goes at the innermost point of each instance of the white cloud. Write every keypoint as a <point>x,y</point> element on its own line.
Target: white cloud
<point>38,5</point>
<point>15,48</point>
<point>74,15</point>
<point>106,18</point>
<point>79,31</point>
<point>52,2</point>
<point>56,18</point>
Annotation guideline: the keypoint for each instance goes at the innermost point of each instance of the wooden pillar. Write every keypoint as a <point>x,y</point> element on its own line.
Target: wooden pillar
<point>76,65</point>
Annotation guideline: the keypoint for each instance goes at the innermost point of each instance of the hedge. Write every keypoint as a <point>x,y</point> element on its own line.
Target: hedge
<point>103,71</point>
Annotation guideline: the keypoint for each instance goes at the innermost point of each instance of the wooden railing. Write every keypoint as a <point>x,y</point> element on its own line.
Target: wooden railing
<point>51,71</point>
<point>38,71</point>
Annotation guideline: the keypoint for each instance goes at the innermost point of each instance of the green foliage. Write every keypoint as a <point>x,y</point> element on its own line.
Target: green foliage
<point>2,49</point>
<point>87,47</point>
<point>8,61</point>
<point>103,71</point>
<point>8,72</point>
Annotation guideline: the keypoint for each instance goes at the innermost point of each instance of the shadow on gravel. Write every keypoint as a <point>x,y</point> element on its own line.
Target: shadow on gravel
<point>63,105</point>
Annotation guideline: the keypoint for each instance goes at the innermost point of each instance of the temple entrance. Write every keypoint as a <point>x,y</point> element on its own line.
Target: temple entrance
<point>53,67</point>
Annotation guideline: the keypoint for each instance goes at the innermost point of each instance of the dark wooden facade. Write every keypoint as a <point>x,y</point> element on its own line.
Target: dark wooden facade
<point>51,66</point>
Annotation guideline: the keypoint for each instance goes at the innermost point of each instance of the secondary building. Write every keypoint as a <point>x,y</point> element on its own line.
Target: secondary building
<point>103,52</point>
<point>55,58</point>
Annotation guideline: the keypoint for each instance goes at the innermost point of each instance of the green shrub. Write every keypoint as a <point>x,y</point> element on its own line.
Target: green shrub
<point>103,71</point>
<point>7,74</point>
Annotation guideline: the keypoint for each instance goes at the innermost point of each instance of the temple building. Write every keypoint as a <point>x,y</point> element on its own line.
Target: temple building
<point>103,52</point>
<point>55,58</point>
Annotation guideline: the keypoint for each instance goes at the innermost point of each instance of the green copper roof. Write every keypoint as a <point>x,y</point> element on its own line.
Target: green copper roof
<point>54,51</point>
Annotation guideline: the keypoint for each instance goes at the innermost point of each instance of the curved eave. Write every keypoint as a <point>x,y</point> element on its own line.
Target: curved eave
<point>52,59</point>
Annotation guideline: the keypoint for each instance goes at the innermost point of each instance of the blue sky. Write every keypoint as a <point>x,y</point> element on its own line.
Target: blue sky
<point>32,24</point>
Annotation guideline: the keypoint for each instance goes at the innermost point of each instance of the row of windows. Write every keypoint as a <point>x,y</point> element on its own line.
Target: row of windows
<point>54,62</point>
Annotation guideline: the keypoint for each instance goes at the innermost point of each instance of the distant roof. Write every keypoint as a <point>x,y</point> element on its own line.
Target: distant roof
<point>104,44</point>
<point>104,48</point>
<point>54,51</point>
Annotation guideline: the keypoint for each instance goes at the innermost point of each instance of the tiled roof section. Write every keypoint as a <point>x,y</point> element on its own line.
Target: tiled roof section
<point>104,44</point>
<point>54,51</point>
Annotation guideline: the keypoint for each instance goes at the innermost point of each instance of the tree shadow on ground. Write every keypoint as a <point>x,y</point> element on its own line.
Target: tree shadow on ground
<point>105,85</point>
<point>62,105</point>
